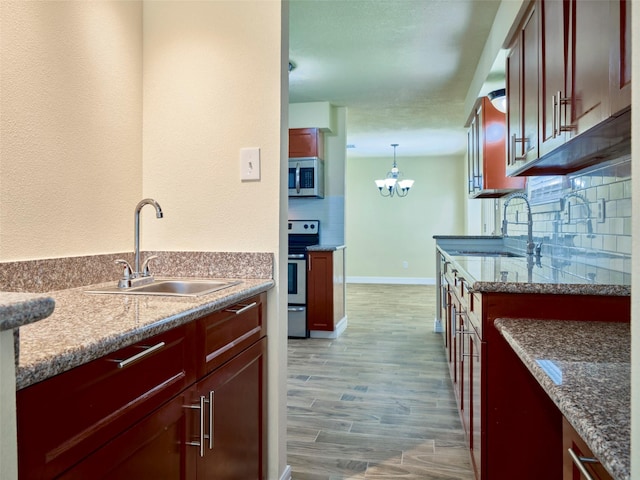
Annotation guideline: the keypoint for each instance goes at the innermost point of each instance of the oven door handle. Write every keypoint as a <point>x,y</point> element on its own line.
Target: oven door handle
<point>296,256</point>
<point>296,309</point>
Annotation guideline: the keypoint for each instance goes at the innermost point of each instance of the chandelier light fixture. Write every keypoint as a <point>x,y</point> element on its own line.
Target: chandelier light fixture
<point>394,183</point>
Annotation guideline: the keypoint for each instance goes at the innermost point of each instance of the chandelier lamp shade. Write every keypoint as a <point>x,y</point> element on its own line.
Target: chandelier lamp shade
<point>394,183</point>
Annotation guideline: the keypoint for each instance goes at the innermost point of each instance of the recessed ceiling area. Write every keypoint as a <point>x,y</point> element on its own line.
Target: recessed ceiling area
<point>402,68</point>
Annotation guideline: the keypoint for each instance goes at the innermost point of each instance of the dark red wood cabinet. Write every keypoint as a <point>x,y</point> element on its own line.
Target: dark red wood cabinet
<point>193,407</point>
<point>325,289</point>
<point>486,149</point>
<point>568,76</point>
<point>509,421</point>
<point>306,142</point>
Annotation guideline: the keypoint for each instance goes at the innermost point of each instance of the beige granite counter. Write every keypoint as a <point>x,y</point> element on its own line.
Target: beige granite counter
<point>578,273</point>
<point>585,368</point>
<point>86,326</point>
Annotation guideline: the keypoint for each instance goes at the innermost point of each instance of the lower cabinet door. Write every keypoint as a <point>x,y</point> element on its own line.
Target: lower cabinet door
<point>153,448</point>
<point>234,418</point>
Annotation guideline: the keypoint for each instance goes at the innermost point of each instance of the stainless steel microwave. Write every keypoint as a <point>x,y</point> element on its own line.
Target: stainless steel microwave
<point>306,177</point>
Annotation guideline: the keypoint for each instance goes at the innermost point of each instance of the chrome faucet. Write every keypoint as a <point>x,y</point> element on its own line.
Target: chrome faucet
<point>585,204</point>
<point>137,273</point>
<point>505,222</point>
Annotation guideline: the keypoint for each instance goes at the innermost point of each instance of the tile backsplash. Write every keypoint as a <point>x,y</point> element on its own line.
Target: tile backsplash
<point>585,212</point>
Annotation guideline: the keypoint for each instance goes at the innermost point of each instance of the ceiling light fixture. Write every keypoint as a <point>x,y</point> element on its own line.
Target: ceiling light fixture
<point>394,183</point>
<point>499,99</point>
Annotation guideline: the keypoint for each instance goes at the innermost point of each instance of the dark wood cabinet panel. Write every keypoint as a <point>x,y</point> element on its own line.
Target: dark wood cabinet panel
<point>588,73</point>
<point>224,334</point>
<point>325,289</point>
<point>487,135</point>
<point>553,18</point>
<point>153,448</point>
<point>236,415</point>
<point>620,56</point>
<point>522,94</point>
<point>137,413</point>
<point>306,142</point>
<point>580,86</point>
<point>571,471</point>
<point>74,413</point>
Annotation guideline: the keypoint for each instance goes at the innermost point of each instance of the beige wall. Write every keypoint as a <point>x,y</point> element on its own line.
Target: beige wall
<point>70,135</point>
<point>104,103</point>
<point>382,233</point>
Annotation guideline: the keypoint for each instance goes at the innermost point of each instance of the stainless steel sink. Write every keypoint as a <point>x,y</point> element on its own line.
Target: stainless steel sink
<point>177,287</point>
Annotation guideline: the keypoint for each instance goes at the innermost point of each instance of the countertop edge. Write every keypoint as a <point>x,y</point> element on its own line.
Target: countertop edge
<point>19,309</point>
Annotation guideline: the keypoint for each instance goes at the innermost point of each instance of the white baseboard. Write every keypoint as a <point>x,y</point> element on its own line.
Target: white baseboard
<point>286,475</point>
<point>393,280</point>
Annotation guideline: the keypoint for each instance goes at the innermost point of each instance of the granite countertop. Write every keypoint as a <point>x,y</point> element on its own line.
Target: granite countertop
<point>585,368</point>
<point>325,248</point>
<point>86,326</point>
<point>586,273</point>
<point>19,309</point>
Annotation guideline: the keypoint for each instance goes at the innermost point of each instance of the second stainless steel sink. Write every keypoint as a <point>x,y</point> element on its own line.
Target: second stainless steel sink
<point>178,287</point>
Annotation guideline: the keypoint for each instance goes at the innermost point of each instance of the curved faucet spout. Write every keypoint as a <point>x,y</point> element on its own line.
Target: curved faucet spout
<point>505,222</point>
<point>136,233</point>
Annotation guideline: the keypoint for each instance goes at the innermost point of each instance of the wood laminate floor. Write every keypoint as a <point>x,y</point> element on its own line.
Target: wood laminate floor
<point>377,402</point>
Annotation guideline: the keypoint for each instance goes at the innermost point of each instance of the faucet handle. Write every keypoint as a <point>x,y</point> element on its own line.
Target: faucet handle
<point>127,273</point>
<point>145,266</point>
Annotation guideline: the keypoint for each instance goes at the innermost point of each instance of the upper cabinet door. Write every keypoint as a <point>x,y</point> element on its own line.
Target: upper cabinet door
<point>522,94</point>
<point>588,65</point>
<point>306,142</point>
<point>553,19</point>
<point>620,56</point>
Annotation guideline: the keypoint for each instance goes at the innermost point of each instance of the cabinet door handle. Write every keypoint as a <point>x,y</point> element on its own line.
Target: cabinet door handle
<point>514,141</point>
<point>202,435</point>
<point>560,101</point>
<point>243,309</point>
<point>580,461</point>
<point>138,356</point>
<point>212,410</point>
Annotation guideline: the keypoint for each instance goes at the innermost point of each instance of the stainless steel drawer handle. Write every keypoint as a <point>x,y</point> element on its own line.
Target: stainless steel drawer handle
<point>243,309</point>
<point>202,435</point>
<point>580,461</point>
<point>211,414</point>
<point>139,356</point>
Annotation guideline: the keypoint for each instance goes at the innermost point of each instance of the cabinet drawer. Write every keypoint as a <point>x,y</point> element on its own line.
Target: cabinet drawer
<point>63,419</point>
<point>224,334</point>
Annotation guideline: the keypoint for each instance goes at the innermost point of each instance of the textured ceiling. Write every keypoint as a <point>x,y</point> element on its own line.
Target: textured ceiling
<point>401,67</point>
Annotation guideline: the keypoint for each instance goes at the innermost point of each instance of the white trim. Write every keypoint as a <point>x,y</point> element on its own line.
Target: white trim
<point>286,475</point>
<point>393,280</point>
<point>337,331</point>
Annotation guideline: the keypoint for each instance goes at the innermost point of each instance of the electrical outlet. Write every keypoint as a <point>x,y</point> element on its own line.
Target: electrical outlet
<point>249,164</point>
<point>601,210</point>
<point>405,264</point>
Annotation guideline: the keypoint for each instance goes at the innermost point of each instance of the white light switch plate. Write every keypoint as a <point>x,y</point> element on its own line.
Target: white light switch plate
<point>249,164</point>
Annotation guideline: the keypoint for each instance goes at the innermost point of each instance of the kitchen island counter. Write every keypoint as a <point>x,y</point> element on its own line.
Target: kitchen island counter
<point>585,368</point>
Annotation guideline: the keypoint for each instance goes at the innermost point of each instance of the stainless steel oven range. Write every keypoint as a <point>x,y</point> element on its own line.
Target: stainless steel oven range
<point>302,234</point>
